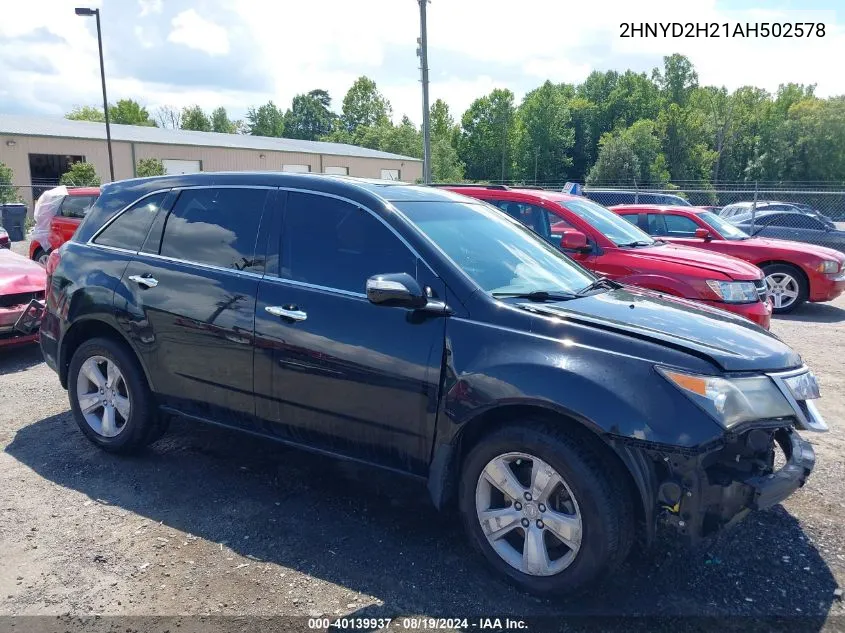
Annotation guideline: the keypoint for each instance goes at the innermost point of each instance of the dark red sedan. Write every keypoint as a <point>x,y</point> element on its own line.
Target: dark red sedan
<point>795,272</point>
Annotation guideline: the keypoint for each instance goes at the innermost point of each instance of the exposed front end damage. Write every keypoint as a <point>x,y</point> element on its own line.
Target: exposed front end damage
<point>702,493</point>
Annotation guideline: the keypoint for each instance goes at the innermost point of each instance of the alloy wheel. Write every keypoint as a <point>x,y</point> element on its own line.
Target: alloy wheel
<point>783,289</point>
<point>528,514</point>
<point>103,396</point>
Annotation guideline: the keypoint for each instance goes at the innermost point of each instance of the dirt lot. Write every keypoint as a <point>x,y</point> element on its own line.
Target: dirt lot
<point>208,522</point>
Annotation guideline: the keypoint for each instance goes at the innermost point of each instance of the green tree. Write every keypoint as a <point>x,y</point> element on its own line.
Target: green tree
<point>685,144</point>
<point>80,175</point>
<point>194,118</point>
<point>8,193</point>
<point>267,120</point>
<point>486,142</point>
<point>677,80</point>
<point>644,140</point>
<point>617,163</point>
<point>130,112</point>
<point>544,135</point>
<point>220,121</point>
<point>86,113</point>
<point>364,106</point>
<point>149,167</point>
<point>310,116</point>
<point>445,164</point>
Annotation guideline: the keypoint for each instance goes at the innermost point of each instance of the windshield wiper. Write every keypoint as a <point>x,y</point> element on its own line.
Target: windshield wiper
<point>536,295</point>
<point>634,244</point>
<point>601,282</point>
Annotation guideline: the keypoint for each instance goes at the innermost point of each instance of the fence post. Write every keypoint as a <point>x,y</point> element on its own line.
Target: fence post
<point>754,207</point>
<point>636,192</point>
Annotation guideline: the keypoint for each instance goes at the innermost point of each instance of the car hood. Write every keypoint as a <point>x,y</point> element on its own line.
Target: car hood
<point>794,247</point>
<point>730,342</point>
<point>696,258</point>
<point>19,274</point>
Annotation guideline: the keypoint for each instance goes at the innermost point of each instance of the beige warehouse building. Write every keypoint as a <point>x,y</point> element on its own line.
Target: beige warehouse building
<point>39,150</point>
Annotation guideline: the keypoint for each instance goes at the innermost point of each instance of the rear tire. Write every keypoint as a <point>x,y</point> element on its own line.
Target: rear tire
<point>118,413</point>
<point>41,256</point>
<point>590,508</point>
<point>786,286</point>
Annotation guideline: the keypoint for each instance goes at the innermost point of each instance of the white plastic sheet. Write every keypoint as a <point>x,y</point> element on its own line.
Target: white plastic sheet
<point>45,210</point>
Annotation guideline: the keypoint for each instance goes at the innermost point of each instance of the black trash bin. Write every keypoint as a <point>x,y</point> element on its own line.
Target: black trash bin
<point>14,218</point>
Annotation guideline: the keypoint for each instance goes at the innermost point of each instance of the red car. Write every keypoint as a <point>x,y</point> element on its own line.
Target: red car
<point>795,272</point>
<point>608,245</point>
<point>63,225</point>
<point>20,281</point>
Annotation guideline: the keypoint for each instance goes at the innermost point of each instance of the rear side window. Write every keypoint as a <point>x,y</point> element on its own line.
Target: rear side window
<point>130,228</point>
<point>331,243</point>
<point>671,225</point>
<point>77,206</point>
<point>216,226</point>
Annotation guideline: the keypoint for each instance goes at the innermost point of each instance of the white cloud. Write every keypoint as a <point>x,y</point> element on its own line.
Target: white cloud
<point>194,31</point>
<point>150,7</point>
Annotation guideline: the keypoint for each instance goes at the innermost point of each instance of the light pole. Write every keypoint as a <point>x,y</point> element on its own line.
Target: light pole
<point>422,51</point>
<point>96,13</point>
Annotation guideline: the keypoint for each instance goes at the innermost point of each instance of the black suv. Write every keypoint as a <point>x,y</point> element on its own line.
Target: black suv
<point>430,334</point>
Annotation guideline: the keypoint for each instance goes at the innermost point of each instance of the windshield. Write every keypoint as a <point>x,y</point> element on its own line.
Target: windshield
<point>616,229</point>
<point>496,252</point>
<point>722,226</point>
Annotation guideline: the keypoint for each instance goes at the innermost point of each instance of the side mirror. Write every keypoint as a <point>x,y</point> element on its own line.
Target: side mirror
<point>574,241</point>
<point>702,234</point>
<point>396,290</point>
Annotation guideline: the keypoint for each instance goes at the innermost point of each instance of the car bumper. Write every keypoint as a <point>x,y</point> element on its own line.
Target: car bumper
<point>827,287</point>
<point>760,311</point>
<point>720,489</point>
<point>8,334</point>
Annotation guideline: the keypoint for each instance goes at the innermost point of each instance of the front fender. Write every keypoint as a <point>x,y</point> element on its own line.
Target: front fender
<point>660,283</point>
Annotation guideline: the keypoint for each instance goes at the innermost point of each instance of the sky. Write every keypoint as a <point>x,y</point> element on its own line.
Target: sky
<point>242,53</point>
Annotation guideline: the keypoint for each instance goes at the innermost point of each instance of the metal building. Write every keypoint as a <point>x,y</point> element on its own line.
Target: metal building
<point>39,150</point>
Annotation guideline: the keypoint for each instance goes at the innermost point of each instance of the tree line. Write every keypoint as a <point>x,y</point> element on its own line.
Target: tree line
<point>626,128</point>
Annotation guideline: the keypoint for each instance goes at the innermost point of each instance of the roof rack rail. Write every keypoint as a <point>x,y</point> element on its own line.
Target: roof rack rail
<point>468,184</point>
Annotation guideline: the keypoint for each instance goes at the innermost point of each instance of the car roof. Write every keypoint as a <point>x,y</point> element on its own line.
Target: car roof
<point>502,192</point>
<point>84,191</point>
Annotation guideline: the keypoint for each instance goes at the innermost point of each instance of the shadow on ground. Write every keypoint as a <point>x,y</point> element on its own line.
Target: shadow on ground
<point>378,534</point>
<point>19,358</point>
<point>814,313</point>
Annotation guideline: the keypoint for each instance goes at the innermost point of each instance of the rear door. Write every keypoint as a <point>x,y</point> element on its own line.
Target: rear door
<point>190,300</point>
<point>340,373</point>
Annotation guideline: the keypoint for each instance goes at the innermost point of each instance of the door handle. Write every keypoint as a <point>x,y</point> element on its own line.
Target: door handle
<point>147,282</point>
<point>292,314</point>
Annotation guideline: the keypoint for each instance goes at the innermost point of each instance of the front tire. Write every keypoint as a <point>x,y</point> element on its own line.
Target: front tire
<point>41,256</point>
<point>544,509</point>
<point>786,286</point>
<point>109,397</point>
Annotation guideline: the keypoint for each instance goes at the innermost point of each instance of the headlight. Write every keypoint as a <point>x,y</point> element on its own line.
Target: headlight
<point>828,267</point>
<point>732,400</point>
<point>734,291</point>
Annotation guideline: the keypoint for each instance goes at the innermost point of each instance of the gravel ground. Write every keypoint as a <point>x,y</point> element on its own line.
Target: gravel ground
<point>208,522</point>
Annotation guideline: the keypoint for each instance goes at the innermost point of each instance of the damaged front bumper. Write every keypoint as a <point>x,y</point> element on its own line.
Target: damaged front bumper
<point>704,493</point>
<point>20,323</point>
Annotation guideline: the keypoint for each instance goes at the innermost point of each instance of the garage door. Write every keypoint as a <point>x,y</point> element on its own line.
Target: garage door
<point>297,169</point>
<point>337,171</point>
<point>390,174</point>
<point>177,166</point>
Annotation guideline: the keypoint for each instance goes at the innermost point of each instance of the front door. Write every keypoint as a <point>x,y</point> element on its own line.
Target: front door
<point>333,370</point>
<point>191,301</point>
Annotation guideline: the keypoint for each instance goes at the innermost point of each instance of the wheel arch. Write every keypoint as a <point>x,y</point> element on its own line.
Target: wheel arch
<point>448,458</point>
<point>793,265</point>
<point>86,329</point>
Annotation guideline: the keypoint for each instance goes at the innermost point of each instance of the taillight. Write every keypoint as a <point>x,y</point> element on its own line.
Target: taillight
<point>53,261</point>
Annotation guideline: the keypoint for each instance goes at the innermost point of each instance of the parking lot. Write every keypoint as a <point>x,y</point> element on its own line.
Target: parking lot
<point>210,522</point>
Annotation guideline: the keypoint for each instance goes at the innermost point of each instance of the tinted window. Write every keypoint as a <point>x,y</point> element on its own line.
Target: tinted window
<point>498,254</point>
<point>679,226</point>
<point>534,217</point>
<point>215,226</point>
<point>332,243</point>
<point>130,228</point>
<point>77,206</point>
<point>725,228</point>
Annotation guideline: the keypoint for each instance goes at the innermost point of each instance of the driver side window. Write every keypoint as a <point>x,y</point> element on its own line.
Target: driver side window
<point>334,244</point>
